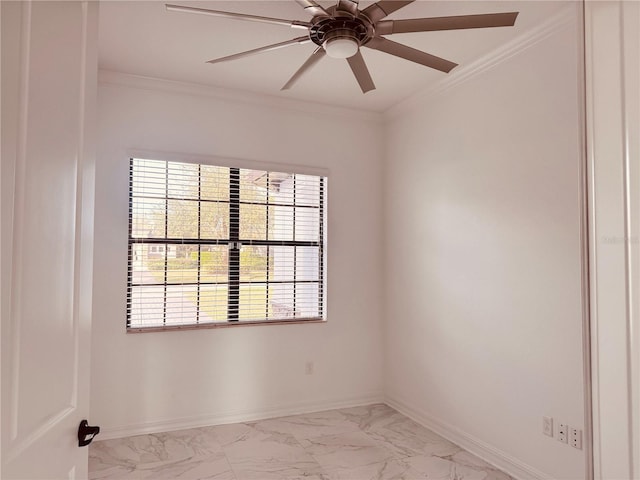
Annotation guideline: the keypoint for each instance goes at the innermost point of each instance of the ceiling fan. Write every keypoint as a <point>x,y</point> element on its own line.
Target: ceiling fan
<point>340,30</point>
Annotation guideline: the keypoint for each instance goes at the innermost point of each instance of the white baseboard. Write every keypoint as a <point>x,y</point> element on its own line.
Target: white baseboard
<point>221,418</point>
<point>486,452</point>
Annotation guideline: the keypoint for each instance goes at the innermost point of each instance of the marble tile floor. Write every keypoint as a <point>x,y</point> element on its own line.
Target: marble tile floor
<point>360,443</point>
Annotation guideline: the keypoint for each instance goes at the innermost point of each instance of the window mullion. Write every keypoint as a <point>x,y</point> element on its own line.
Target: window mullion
<point>321,250</point>
<point>131,247</point>
<point>266,288</point>
<point>295,249</point>
<point>166,235</point>
<point>199,245</point>
<point>233,295</point>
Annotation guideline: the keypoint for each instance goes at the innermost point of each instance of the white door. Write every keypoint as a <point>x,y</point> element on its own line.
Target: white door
<point>49,85</point>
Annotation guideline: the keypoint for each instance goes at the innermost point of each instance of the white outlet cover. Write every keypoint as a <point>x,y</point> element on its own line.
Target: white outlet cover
<point>308,368</point>
<point>563,433</point>
<point>547,426</point>
<point>575,438</point>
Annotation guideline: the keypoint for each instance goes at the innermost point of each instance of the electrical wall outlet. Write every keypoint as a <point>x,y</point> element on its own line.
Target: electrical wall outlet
<point>547,426</point>
<point>563,433</point>
<point>575,438</point>
<point>308,368</point>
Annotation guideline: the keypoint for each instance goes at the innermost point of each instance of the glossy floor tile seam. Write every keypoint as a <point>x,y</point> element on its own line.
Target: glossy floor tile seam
<point>369,442</point>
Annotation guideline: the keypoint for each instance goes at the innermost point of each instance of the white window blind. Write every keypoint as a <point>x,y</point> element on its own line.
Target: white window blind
<point>211,244</point>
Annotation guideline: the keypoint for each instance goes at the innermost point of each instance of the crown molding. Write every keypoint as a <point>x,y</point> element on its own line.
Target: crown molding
<point>497,56</point>
<point>459,76</point>
<point>111,77</point>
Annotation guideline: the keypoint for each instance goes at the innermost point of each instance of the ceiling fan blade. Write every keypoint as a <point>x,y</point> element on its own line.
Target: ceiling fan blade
<point>268,48</point>
<point>387,27</point>
<point>350,6</point>
<point>411,54</point>
<point>361,72</point>
<point>381,9</point>
<point>313,8</point>
<point>239,16</point>
<point>315,57</point>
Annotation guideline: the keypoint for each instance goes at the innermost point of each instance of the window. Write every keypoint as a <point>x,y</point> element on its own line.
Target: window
<point>212,245</point>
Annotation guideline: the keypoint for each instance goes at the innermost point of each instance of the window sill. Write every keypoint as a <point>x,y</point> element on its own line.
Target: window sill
<point>297,321</point>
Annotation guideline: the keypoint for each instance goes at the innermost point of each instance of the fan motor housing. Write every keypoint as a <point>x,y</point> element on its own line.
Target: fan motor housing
<point>340,27</point>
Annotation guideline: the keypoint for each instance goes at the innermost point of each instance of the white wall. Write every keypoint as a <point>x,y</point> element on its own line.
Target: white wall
<point>163,380</point>
<point>483,279</point>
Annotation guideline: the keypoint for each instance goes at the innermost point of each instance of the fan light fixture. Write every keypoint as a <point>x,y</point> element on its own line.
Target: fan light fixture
<point>341,47</point>
<point>340,30</point>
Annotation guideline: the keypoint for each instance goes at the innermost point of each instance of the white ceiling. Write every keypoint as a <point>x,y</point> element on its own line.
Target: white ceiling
<point>142,38</point>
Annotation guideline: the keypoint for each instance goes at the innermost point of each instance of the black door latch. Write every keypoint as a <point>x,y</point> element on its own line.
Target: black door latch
<point>86,433</point>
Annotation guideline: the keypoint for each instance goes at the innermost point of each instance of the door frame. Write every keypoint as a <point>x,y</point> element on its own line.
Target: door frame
<point>612,126</point>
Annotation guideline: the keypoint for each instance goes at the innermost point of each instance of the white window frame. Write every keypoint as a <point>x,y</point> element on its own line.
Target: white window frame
<point>239,164</point>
